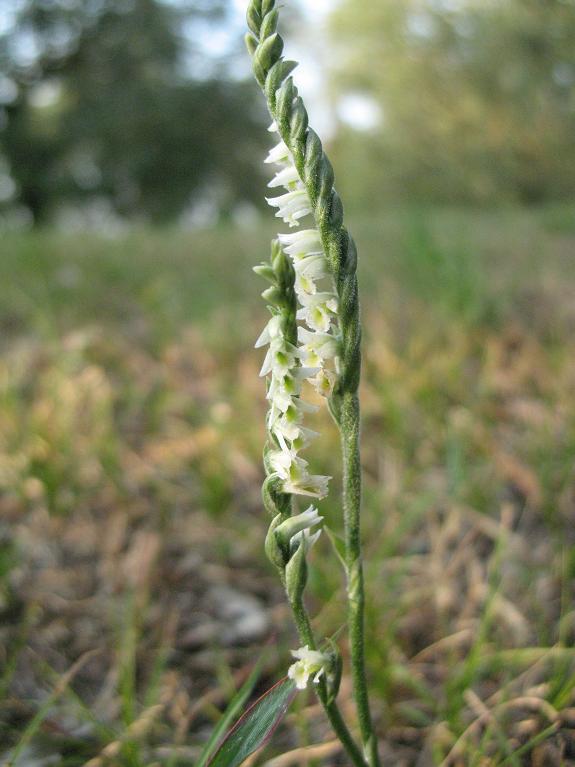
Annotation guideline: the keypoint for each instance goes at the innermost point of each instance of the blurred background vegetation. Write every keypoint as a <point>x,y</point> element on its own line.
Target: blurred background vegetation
<point>145,108</point>
<point>134,593</point>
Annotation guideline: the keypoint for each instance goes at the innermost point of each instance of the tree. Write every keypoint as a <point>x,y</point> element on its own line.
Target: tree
<point>476,96</point>
<point>105,103</point>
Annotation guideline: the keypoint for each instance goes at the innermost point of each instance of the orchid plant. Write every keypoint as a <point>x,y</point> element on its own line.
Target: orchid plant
<point>313,343</point>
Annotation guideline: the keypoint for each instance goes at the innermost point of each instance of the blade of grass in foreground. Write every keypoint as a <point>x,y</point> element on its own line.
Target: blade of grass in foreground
<point>256,726</point>
<point>233,709</point>
<point>38,719</point>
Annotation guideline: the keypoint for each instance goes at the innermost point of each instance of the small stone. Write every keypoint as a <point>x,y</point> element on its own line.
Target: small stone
<point>242,616</point>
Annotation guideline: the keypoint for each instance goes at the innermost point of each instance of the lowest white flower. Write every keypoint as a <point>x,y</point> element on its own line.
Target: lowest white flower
<point>309,663</point>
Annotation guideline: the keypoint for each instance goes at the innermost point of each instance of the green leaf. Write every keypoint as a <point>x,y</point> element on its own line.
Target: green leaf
<point>233,709</point>
<point>338,544</point>
<point>256,726</point>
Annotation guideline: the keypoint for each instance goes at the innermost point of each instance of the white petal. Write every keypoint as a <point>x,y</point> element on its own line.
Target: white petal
<point>302,243</point>
<point>291,206</point>
<point>271,331</point>
<point>285,177</point>
<point>324,382</point>
<point>279,154</point>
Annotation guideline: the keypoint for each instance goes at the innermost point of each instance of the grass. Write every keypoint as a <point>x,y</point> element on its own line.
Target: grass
<point>134,596</point>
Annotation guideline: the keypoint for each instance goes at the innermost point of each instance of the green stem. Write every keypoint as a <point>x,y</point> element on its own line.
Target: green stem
<point>349,425</point>
<point>331,708</point>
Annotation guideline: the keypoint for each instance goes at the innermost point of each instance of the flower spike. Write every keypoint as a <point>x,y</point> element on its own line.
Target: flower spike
<point>319,290</point>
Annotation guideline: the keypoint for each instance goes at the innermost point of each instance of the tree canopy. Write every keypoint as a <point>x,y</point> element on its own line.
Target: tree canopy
<point>105,100</point>
<point>477,97</point>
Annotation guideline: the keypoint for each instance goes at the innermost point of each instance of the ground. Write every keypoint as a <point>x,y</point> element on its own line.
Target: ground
<point>134,594</point>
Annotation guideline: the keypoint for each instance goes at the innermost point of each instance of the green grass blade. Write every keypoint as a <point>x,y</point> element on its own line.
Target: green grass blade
<point>256,726</point>
<point>233,709</point>
<point>44,710</point>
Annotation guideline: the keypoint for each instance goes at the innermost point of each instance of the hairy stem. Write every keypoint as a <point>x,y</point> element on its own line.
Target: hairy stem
<point>349,426</point>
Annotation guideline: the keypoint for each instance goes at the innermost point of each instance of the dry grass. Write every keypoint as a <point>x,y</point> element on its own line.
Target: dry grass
<point>134,597</point>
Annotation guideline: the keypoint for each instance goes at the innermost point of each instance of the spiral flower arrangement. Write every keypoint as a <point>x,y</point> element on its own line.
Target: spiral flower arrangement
<point>313,336</point>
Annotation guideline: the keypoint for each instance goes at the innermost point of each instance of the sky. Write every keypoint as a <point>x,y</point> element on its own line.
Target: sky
<point>319,6</point>
<point>310,75</point>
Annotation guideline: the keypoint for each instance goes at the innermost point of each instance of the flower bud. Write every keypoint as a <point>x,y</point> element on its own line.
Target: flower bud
<point>269,24</point>
<point>254,18</point>
<point>274,551</point>
<point>269,51</point>
<point>251,43</point>
<point>291,526</point>
<point>274,296</point>
<point>296,575</point>
<point>266,271</point>
<point>273,497</point>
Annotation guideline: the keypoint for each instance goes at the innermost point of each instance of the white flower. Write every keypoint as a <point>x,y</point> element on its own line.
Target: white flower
<point>287,177</point>
<point>306,539</point>
<point>300,482</point>
<point>308,663</point>
<point>280,398</point>
<point>318,310</point>
<point>324,382</point>
<point>288,421</point>
<point>282,461</point>
<point>303,243</point>
<point>297,434</point>
<point>283,388</point>
<point>296,478</point>
<point>316,347</point>
<point>298,524</point>
<point>280,154</point>
<point>280,358</point>
<point>303,439</point>
<point>271,331</point>
<point>295,410</point>
<point>308,269</point>
<point>291,206</point>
